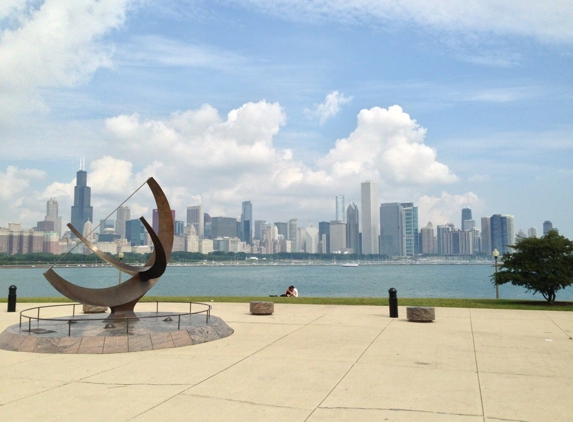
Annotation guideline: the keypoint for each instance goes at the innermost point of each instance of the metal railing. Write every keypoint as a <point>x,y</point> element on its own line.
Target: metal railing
<point>73,319</point>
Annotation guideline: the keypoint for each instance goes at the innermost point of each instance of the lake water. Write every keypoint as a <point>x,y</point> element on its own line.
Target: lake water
<point>447,281</point>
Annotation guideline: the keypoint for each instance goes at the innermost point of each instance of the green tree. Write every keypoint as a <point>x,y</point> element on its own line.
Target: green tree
<point>543,265</point>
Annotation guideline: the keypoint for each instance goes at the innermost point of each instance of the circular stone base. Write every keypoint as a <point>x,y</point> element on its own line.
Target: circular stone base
<point>100,337</point>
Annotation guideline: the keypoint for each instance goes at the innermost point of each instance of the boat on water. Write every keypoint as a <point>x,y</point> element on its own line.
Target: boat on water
<point>350,264</point>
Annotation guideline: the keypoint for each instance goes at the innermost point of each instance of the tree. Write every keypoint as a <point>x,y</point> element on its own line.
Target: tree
<point>543,265</point>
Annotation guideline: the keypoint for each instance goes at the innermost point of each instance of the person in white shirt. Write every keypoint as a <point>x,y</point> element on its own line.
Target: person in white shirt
<point>291,292</point>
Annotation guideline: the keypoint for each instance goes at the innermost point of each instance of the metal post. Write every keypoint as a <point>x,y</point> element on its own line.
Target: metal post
<point>12,298</point>
<point>393,302</point>
<point>496,285</point>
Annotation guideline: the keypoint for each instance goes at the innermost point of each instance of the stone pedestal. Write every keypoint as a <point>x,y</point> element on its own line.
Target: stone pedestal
<point>420,313</point>
<point>262,308</point>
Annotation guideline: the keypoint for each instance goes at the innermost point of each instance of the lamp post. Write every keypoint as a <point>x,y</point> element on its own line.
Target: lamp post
<point>495,254</point>
<point>120,256</point>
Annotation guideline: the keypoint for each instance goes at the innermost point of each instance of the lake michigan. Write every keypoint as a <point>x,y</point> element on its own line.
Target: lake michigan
<point>412,281</point>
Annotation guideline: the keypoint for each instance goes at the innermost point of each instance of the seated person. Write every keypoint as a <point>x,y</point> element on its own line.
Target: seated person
<point>291,292</point>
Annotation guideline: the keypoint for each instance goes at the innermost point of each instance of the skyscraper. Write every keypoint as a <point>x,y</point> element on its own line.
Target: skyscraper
<point>283,229</point>
<point>441,240</point>
<point>466,215</point>
<point>502,232</point>
<point>223,227</point>
<point>427,240</point>
<point>293,234</point>
<point>340,208</point>
<point>52,215</point>
<point>135,232</point>
<point>486,236</point>
<point>352,228</point>
<point>324,235</point>
<point>247,222</point>
<point>508,226</point>
<point>370,217</point>
<point>260,228</point>
<point>337,237</point>
<point>547,227</point>
<point>392,233</point>
<point>411,238</point>
<point>123,216</point>
<point>311,239</point>
<point>82,211</point>
<point>196,218</point>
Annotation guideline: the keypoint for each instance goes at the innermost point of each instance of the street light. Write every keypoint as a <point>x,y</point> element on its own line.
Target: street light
<point>495,254</point>
<point>120,256</point>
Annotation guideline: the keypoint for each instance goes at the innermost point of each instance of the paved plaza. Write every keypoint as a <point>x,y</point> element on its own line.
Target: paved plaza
<point>313,363</point>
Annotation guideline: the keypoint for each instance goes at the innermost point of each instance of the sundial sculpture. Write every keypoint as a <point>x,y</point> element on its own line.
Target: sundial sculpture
<point>121,299</point>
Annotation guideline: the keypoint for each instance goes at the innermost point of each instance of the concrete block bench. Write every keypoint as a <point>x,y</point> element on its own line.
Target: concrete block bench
<point>262,308</point>
<point>420,313</point>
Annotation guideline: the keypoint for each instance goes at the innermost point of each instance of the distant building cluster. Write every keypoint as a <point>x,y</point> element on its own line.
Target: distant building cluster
<point>389,229</point>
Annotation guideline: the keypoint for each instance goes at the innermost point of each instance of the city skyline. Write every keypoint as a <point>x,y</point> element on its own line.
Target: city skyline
<point>398,235</point>
<point>287,104</point>
<point>402,219</point>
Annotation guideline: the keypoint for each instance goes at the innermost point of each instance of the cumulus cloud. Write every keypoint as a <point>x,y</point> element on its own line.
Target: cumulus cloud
<point>226,160</point>
<point>202,140</point>
<point>14,181</point>
<point>387,145</point>
<point>545,20</point>
<point>446,208</point>
<point>329,108</point>
<point>199,155</point>
<point>15,187</point>
<point>53,43</point>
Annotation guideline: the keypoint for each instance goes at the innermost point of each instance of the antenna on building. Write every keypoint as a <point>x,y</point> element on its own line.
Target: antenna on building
<point>82,163</point>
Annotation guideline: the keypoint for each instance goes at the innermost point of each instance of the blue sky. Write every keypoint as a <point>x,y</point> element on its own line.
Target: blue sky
<point>288,103</point>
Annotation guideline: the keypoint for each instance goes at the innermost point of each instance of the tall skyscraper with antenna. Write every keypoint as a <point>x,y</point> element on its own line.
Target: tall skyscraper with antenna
<point>340,208</point>
<point>82,211</point>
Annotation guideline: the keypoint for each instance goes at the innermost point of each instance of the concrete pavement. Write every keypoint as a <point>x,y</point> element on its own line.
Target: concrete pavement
<point>313,363</point>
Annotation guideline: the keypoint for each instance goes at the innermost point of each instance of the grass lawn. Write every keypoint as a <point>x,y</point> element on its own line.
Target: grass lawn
<point>534,305</point>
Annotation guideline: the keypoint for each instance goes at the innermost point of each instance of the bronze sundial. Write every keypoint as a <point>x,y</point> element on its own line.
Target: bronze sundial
<point>121,299</point>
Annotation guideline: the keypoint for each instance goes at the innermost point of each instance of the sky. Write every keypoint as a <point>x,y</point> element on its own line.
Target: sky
<point>288,103</point>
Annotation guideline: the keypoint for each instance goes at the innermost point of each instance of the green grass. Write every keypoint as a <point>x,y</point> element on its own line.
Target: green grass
<point>537,305</point>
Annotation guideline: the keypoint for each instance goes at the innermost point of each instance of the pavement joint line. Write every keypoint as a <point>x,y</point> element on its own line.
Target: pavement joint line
<point>393,409</point>
<point>301,326</point>
<point>477,367</point>
<point>274,406</point>
<point>81,380</point>
<point>558,326</point>
<point>351,367</point>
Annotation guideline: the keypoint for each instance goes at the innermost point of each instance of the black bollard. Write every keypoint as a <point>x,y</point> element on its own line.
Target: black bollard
<point>12,298</point>
<point>393,301</point>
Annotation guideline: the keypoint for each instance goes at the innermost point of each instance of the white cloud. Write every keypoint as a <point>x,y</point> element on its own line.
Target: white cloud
<point>222,161</point>
<point>54,43</point>
<point>160,51</point>
<point>388,146</point>
<point>545,20</point>
<point>447,208</point>
<point>14,181</point>
<point>329,108</point>
<point>502,95</point>
<point>19,201</point>
<point>58,43</point>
